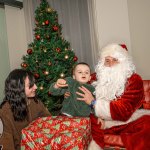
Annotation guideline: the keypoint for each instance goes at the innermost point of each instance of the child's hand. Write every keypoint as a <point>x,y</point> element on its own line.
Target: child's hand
<point>60,83</point>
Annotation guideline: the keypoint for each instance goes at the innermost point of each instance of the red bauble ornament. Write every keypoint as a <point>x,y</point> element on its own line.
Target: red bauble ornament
<point>37,76</point>
<point>37,37</point>
<point>55,28</point>
<point>75,58</point>
<point>24,65</point>
<point>49,93</point>
<point>29,51</point>
<point>58,49</point>
<point>47,22</point>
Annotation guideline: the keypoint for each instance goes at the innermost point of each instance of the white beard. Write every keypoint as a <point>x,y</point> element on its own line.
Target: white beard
<point>111,81</point>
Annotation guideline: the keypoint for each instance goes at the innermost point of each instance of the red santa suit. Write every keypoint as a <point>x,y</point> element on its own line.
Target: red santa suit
<point>122,116</point>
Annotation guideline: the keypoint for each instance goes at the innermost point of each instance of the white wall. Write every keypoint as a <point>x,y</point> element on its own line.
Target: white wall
<point>112,22</point>
<point>126,21</point>
<point>16,33</point>
<point>139,19</point>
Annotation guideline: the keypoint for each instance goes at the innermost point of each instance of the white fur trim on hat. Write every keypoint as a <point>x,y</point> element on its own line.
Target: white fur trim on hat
<point>115,51</point>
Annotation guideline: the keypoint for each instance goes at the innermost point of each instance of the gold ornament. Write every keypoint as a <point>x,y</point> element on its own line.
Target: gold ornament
<point>66,56</point>
<point>41,87</point>
<point>49,63</point>
<point>44,50</point>
<point>46,72</point>
<point>47,36</point>
<point>66,49</point>
<point>24,65</point>
<point>49,9</point>
<point>43,23</point>
<point>62,75</point>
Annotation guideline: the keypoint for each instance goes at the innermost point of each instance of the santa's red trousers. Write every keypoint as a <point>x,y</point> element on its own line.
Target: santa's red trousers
<point>134,135</point>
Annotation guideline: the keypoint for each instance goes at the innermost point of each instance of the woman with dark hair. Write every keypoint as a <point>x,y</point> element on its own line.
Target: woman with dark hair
<point>19,107</point>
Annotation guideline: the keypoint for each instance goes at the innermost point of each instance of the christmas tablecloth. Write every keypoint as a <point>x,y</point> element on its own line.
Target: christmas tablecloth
<point>57,133</point>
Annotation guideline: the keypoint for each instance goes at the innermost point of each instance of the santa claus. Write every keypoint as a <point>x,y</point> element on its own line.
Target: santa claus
<point>119,93</point>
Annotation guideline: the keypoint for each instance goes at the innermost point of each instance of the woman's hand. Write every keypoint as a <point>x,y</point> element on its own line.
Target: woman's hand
<point>87,96</point>
<point>67,94</point>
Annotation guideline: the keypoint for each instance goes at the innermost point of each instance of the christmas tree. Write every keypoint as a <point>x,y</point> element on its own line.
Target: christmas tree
<point>49,56</point>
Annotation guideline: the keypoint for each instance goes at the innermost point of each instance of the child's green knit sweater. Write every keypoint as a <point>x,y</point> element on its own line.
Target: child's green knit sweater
<point>71,105</point>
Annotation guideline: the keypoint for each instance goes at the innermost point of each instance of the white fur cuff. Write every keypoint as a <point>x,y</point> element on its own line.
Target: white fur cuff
<point>102,109</point>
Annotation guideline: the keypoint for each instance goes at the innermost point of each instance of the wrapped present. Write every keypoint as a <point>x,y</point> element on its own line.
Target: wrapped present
<point>57,133</point>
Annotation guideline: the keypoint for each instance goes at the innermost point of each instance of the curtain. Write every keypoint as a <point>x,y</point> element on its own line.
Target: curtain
<point>77,26</point>
<point>95,46</point>
<point>29,19</point>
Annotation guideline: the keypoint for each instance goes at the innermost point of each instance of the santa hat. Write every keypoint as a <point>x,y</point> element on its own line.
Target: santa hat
<point>124,46</point>
<point>118,51</point>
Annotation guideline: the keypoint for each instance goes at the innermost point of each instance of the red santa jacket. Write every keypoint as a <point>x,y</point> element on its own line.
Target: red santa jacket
<point>121,109</point>
<point>122,117</point>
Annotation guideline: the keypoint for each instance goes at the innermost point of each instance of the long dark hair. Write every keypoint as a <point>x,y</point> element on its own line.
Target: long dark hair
<point>15,93</point>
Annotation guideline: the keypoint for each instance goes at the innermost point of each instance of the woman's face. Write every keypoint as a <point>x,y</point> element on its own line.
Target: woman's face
<point>30,91</point>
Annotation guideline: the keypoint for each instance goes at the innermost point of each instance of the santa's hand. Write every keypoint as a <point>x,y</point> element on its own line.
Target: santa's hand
<point>87,96</point>
<point>101,122</point>
<point>60,83</point>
